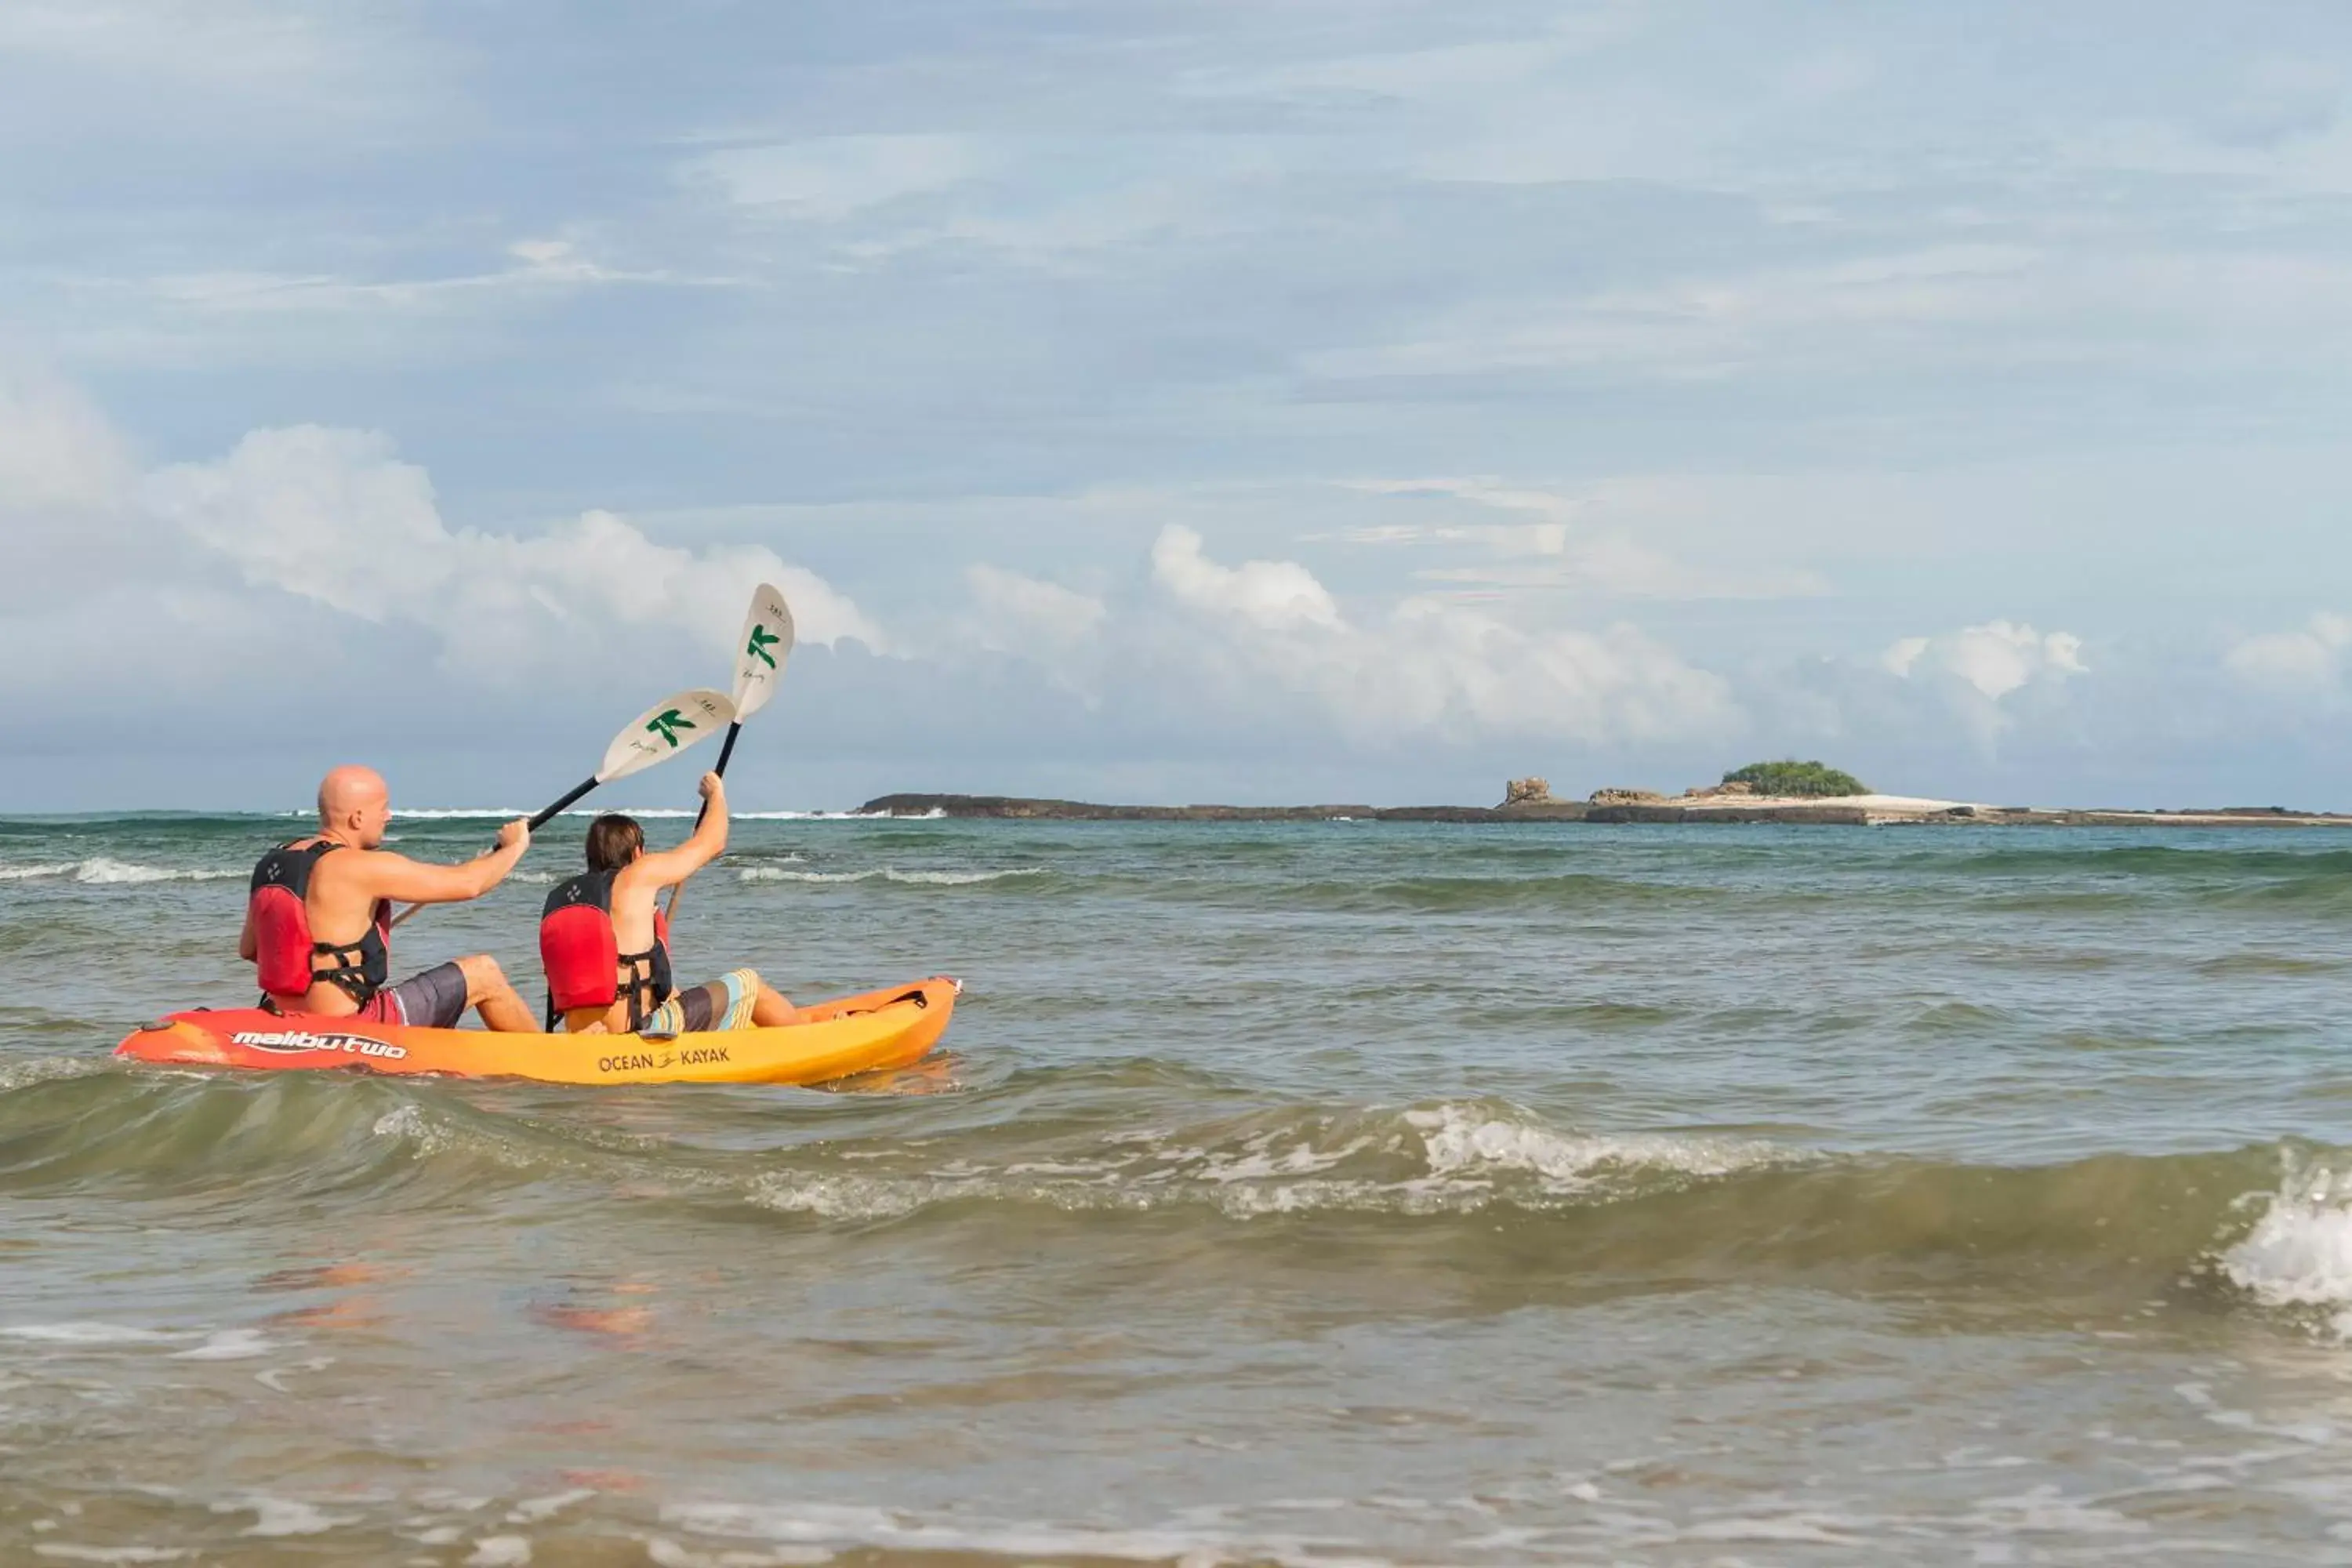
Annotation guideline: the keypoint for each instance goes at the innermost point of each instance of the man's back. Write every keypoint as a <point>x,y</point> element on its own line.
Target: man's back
<point>348,884</point>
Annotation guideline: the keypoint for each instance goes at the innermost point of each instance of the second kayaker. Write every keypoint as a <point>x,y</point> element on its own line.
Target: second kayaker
<point>605,945</point>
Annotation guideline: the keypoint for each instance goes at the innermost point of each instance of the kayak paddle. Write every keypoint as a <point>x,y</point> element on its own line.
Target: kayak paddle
<point>653,737</point>
<point>761,651</point>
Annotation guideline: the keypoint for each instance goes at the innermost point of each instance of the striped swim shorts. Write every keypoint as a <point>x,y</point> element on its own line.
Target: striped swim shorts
<point>721,1003</point>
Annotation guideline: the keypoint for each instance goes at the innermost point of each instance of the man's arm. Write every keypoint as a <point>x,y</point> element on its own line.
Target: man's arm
<point>396,877</point>
<point>247,948</point>
<point>710,838</point>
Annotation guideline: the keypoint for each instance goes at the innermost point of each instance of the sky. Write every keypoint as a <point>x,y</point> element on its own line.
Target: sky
<point>1159,401</point>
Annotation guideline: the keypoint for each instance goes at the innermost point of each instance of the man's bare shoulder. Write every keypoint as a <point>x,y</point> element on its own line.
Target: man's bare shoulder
<point>366,870</point>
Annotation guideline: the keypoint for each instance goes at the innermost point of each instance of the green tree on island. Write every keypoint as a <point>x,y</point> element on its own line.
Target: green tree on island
<point>1791,777</point>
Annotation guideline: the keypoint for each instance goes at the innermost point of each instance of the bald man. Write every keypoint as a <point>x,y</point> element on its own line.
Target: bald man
<point>320,915</point>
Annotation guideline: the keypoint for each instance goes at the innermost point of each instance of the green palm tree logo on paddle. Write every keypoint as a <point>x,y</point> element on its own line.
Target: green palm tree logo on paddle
<point>667,723</point>
<point>762,639</point>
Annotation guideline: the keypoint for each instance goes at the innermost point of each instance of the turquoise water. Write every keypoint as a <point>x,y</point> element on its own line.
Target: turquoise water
<point>1319,1193</point>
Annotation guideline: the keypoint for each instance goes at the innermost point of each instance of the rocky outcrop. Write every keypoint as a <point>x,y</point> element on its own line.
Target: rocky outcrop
<point>1529,791</point>
<point>1626,797</point>
<point>1718,792</point>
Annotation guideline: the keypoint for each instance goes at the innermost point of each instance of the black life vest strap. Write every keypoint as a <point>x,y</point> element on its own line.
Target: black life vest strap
<point>644,993</point>
<point>349,973</point>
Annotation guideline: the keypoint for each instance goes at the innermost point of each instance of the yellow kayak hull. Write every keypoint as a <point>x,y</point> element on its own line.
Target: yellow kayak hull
<point>874,1032</point>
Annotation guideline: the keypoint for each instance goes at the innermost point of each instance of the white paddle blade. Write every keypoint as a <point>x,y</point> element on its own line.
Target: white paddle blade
<point>665,730</point>
<point>761,651</point>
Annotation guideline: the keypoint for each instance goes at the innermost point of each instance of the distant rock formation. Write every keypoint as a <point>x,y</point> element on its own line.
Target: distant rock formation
<point>1608,805</point>
<point>1716,792</point>
<point>1528,790</point>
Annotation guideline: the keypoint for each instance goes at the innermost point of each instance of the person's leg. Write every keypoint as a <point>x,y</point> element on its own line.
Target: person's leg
<point>753,1004</point>
<point>771,1008</point>
<point>489,993</point>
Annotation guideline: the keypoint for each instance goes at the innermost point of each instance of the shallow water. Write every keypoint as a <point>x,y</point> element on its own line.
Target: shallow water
<point>1318,1192</point>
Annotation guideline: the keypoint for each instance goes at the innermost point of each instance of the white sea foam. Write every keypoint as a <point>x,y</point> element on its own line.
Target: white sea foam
<point>1446,1158</point>
<point>100,868</point>
<point>1466,1140</point>
<point>87,1333</point>
<point>219,1345</point>
<point>539,1509</point>
<point>230,1344</point>
<point>2299,1253</point>
<point>285,1516</point>
<point>31,1071</point>
<point>663,1553</point>
<point>849,1526</point>
<point>888,874</point>
<point>405,1121</point>
<point>66,1551</point>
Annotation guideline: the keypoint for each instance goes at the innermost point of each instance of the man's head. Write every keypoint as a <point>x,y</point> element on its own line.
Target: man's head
<point>614,841</point>
<point>354,805</point>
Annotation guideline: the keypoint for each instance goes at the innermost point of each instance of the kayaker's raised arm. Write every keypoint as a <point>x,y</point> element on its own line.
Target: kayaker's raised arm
<point>406,881</point>
<point>663,868</point>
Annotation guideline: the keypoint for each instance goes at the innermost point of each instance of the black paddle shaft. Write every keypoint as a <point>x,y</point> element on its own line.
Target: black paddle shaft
<point>726,750</point>
<point>544,817</point>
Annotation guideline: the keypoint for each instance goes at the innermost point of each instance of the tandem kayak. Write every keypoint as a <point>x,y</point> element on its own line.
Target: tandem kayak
<point>876,1031</point>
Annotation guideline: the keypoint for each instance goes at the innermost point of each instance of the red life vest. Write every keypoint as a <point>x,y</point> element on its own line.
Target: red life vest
<point>284,953</point>
<point>585,964</point>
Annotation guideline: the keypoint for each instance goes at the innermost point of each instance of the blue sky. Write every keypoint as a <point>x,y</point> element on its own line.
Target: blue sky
<point>1168,401</point>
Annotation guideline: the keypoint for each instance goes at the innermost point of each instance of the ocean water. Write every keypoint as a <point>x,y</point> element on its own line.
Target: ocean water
<point>1318,1194</point>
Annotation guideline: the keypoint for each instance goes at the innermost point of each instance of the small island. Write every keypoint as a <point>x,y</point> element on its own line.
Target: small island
<point>1786,791</point>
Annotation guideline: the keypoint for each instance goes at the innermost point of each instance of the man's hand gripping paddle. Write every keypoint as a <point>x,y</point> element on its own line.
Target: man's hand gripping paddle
<point>760,654</point>
<point>650,738</point>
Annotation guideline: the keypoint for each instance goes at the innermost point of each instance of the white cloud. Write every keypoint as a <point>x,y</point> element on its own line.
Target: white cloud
<point>58,452</point>
<point>1565,550</point>
<point>1427,669</point>
<point>828,178</point>
<point>333,516</point>
<point>545,268</point>
<point>1018,613</point>
<point>2312,659</point>
<point>1902,653</point>
<point>1277,596</point>
<point>1995,658</point>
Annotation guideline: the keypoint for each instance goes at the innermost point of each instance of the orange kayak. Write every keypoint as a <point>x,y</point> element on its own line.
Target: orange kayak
<point>876,1031</point>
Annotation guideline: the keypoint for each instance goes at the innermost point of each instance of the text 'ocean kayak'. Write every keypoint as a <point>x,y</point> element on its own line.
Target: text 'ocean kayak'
<point>869,1032</point>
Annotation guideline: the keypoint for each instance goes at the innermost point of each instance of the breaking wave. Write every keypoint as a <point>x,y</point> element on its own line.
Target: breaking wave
<point>2298,1255</point>
<point>888,874</point>
<point>101,870</point>
<point>1474,1188</point>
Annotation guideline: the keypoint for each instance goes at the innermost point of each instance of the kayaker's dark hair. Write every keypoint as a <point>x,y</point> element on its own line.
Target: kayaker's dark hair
<point>614,841</point>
